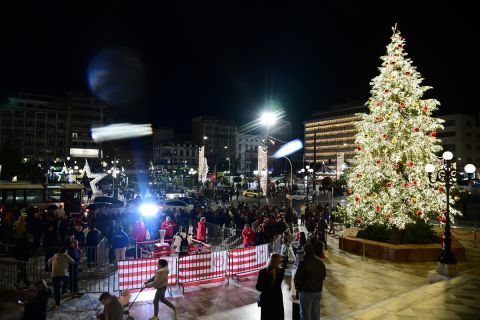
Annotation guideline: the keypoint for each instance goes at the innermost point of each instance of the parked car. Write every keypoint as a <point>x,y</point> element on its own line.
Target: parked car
<point>252,193</point>
<point>107,206</point>
<point>177,204</point>
<point>114,201</point>
<point>301,196</point>
<point>195,202</point>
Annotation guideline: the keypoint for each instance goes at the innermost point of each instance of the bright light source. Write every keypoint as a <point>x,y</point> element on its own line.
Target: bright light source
<point>148,209</point>
<point>470,168</point>
<point>447,155</point>
<point>205,137</point>
<point>268,118</point>
<point>288,148</point>
<point>121,131</point>
<point>429,168</point>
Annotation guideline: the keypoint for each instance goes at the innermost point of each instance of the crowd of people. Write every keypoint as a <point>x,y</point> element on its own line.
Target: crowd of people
<point>65,239</point>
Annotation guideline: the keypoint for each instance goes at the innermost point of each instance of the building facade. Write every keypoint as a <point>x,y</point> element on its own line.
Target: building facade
<point>461,136</point>
<point>219,138</point>
<point>170,155</point>
<point>331,133</point>
<point>247,150</point>
<point>47,127</point>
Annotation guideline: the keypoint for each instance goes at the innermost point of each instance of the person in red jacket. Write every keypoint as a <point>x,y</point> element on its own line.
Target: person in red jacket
<point>168,226</point>
<point>139,230</point>
<point>201,230</point>
<point>248,236</point>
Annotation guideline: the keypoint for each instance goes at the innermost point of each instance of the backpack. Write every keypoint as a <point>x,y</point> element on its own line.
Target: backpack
<point>184,246</point>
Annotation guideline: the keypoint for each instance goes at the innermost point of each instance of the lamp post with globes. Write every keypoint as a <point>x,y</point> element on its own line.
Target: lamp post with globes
<point>446,174</point>
<point>306,172</point>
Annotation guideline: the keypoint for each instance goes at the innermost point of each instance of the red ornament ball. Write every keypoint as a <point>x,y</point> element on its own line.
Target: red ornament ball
<point>378,104</point>
<point>386,91</point>
<point>389,184</point>
<point>357,199</point>
<point>378,161</point>
<point>419,212</point>
<point>416,129</point>
<point>399,46</point>
<point>440,189</point>
<point>433,134</point>
<point>410,164</point>
<point>414,183</point>
<point>407,74</point>
<point>359,220</point>
<point>424,108</point>
<point>359,148</point>
<point>378,208</point>
<point>385,136</point>
<point>405,185</point>
<point>402,105</point>
<point>443,219</point>
<point>378,119</point>
<point>396,166</point>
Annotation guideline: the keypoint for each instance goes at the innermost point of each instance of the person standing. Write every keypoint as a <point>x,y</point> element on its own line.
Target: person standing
<point>201,230</point>
<point>120,243</point>
<point>169,227</point>
<point>59,264</point>
<point>89,195</point>
<point>49,242</point>
<point>91,243</point>
<point>308,281</point>
<point>36,305</point>
<point>248,236</point>
<point>160,282</point>
<point>269,283</point>
<point>73,270</point>
<point>23,250</point>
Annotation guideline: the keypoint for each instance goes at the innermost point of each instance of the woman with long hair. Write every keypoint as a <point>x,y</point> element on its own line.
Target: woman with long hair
<point>269,283</point>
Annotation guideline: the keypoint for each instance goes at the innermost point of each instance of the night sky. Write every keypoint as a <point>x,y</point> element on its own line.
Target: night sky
<point>191,58</point>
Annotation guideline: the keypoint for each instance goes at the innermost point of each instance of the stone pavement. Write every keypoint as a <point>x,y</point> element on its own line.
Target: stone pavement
<point>354,289</point>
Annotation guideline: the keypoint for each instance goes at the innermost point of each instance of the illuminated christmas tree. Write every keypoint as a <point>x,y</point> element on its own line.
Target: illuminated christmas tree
<point>395,141</point>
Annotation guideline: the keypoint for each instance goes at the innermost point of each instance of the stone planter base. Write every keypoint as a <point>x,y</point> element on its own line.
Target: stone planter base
<point>396,252</point>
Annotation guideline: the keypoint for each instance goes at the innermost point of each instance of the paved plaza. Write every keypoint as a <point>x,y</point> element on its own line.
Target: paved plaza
<point>354,289</point>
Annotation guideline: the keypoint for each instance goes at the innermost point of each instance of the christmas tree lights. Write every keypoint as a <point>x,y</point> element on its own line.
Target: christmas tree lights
<point>395,141</point>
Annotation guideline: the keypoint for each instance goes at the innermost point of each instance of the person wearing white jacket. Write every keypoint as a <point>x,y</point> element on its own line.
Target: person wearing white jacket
<point>160,282</point>
<point>59,264</point>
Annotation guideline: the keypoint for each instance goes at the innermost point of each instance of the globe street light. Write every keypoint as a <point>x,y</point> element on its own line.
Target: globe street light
<point>446,174</point>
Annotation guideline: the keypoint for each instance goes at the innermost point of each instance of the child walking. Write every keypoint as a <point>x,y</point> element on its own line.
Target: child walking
<point>160,282</point>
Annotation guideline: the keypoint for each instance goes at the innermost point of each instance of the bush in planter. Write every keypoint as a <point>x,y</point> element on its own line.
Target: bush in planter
<point>414,233</point>
<point>419,232</point>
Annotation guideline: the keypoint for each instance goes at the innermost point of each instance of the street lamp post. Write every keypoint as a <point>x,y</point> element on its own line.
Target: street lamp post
<point>291,178</point>
<point>306,173</point>
<point>446,174</point>
<point>268,119</point>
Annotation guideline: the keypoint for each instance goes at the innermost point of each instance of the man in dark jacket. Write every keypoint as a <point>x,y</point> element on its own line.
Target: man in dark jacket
<point>73,271</point>
<point>92,241</point>
<point>120,243</point>
<point>23,250</point>
<point>309,283</point>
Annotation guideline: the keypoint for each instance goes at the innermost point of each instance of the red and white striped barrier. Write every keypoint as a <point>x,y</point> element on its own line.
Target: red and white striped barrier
<point>245,261</point>
<point>200,267</point>
<point>132,274</point>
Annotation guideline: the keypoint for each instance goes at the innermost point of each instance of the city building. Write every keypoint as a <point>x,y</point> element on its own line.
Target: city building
<point>247,150</point>
<point>172,150</point>
<point>461,136</point>
<point>219,138</point>
<point>171,154</point>
<point>48,127</point>
<point>331,133</point>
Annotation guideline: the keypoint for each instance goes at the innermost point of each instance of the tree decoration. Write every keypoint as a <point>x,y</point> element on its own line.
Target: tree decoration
<point>402,139</point>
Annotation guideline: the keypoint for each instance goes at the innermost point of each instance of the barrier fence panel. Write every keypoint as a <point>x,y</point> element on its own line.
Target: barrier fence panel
<point>202,267</point>
<point>14,273</point>
<point>132,274</point>
<point>245,261</point>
